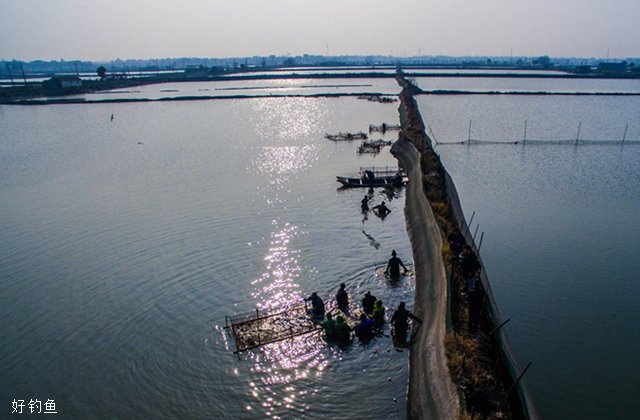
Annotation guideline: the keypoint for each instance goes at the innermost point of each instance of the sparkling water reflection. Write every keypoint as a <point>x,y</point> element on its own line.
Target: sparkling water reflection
<point>279,289</point>
<point>118,258</point>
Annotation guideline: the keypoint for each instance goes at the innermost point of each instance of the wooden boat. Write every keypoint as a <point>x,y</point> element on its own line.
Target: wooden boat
<point>374,177</point>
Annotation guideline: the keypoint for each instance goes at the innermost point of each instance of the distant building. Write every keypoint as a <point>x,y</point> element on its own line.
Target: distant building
<point>69,81</point>
<point>62,82</point>
<point>58,85</point>
<point>612,67</point>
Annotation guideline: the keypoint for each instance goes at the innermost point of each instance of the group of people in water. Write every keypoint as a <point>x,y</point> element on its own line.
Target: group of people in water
<point>381,210</point>
<point>372,315</point>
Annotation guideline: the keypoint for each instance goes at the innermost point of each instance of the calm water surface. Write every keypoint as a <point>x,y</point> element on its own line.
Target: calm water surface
<point>250,88</point>
<point>484,84</point>
<point>560,244</point>
<point>124,244</point>
<point>548,118</point>
<point>392,71</point>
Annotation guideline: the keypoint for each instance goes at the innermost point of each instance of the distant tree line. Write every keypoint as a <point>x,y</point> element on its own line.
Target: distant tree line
<point>118,66</point>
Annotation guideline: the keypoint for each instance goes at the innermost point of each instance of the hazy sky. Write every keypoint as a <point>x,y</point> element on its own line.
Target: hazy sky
<point>110,29</point>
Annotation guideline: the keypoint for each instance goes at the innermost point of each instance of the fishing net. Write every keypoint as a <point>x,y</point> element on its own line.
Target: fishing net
<point>259,328</point>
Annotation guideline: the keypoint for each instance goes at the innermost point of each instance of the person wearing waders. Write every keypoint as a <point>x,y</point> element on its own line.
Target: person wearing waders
<point>342,299</point>
<point>378,314</point>
<point>381,210</point>
<point>393,267</point>
<point>400,322</point>
<point>329,327</point>
<point>367,303</point>
<point>317,306</point>
<point>342,330</point>
<point>364,329</point>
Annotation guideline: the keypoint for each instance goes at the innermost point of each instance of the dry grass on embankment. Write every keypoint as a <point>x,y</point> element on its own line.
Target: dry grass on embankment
<point>473,361</point>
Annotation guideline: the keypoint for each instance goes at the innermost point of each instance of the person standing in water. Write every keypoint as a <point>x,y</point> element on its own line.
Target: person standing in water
<point>342,331</point>
<point>381,210</point>
<point>400,322</point>
<point>393,267</point>
<point>378,314</point>
<point>367,303</point>
<point>329,327</point>
<point>364,329</point>
<point>364,203</point>
<point>342,299</point>
<point>317,306</point>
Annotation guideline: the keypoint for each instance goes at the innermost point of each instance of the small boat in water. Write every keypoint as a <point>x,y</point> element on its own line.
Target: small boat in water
<point>375,177</point>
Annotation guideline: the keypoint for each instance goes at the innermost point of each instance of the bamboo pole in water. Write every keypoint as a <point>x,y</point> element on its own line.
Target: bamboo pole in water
<point>480,244</point>
<point>469,224</point>
<point>495,330</point>
<point>24,77</point>
<point>10,74</point>
<point>519,378</point>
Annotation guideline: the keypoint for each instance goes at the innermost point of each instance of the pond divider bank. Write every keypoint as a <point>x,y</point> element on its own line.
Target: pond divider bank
<point>432,394</point>
<point>68,101</point>
<point>524,93</point>
<point>488,379</point>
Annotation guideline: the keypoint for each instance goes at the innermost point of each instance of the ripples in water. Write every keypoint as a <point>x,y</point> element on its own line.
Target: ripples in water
<point>119,262</point>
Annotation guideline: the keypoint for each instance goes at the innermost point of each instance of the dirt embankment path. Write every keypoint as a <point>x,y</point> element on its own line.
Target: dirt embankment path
<point>432,394</point>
